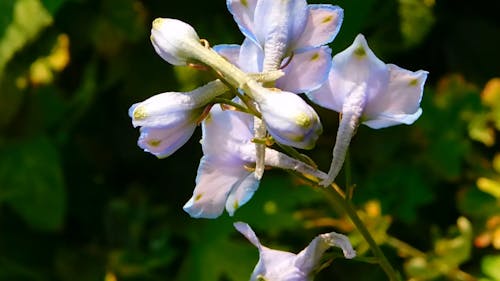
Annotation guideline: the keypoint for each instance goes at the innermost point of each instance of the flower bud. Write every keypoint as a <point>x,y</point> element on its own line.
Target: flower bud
<point>168,119</point>
<point>172,40</point>
<point>289,119</point>
<point>164,128</point>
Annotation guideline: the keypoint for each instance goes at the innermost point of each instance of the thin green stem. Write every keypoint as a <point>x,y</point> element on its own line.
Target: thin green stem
<point>340,201</point>
<point>294,153</point>
<point>351,212</point>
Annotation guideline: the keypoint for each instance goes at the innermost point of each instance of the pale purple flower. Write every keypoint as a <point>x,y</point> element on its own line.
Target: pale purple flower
<point>284,34</point>
<point>275,265</point>
<point>168,120</point>
<point>279,28</point>
<point>366,90</point>
<point>225,176</point>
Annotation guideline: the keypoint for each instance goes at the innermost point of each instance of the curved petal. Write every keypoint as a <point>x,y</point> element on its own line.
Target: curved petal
<point>248,232</point>
<point>324,96</point>
<point>242,192</point>
<point>387,120</point>
<point>163,142</point>
<point>243,13</point>
<point>231,52</point>
<point>307,70</point>
<point>309,258</point>
<point>403,94</point>
<point>280,23</point>
<point>272,264</point>
<point>323,24</point>
<point>353,70</point>
<point>214,183</point>
<point>251,57</point>
<point>226,135</point>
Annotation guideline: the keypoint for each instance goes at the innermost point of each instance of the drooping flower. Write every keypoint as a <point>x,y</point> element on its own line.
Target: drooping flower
<point>168,120</point>
<point>275,265</point>
<point>366,90</point>
<point>225,176</point>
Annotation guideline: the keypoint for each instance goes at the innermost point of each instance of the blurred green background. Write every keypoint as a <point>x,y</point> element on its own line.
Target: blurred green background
<point>79,201</point>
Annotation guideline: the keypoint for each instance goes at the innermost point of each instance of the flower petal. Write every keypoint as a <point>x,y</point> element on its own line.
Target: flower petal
<point>403,94</point>
<point>387,120</point>
<point>354,69</point>
<point>164,110</point>
<point>214,183</point>
<point>251,57</point>
<point>163,142</point>
<point>280,23</point>
<point>309,258</point>
<point>227,136</point>
<point>243,13</point>
<point>280,18</point>
<point>323,24</point>
<point>307,70</point>
<point>272,264</point>
<point>231,52</point>
<point>248,232</point>
<point>241,192</point>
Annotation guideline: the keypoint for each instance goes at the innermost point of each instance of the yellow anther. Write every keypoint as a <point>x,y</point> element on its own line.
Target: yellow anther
<point>157,22</point>
<point>413,82</point>
<point>303,120</point>
<point>327,19</point>
<point>360,52</point>
<point>154,143</point>
<point>315,57</point>
<point>244,3</point>
<point>140,113</point>
<point>198,197</point>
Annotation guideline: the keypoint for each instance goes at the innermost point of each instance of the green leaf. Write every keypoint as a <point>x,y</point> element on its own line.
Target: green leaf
<point>477,204</point>
<point>31,182</point>
<point>29,17</point>
<point>490,266</point>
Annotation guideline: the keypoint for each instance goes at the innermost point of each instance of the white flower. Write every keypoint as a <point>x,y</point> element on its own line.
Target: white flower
<point>274,265</point>
<point>366,90</point>
<point>225,176</point>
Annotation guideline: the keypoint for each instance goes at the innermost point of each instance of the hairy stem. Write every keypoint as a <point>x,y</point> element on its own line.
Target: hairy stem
<point>351,212</point>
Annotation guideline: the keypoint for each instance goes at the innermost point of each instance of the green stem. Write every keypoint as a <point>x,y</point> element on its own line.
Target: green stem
<point>339,200</point>
<point>351,212</point>
<point>294,153</point>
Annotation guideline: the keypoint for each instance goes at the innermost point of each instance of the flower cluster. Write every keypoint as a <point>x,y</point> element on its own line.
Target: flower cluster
<point>284,54</point>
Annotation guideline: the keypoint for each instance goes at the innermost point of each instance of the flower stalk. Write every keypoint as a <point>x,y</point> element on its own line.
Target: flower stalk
<point>350,210</point>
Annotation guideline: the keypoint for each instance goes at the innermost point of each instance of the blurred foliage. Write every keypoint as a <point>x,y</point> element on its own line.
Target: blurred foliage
<point>80,201</point>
